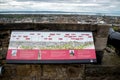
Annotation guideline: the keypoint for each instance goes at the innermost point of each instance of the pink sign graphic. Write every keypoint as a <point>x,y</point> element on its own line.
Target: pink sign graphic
<point>35,45</point>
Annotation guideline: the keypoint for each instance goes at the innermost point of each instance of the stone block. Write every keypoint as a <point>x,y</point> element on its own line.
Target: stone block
<point>100,43</point>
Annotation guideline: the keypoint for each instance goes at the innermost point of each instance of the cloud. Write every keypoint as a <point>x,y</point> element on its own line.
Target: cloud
<point>53,1</point>
<point>61,5</point>
<point>5,1</point>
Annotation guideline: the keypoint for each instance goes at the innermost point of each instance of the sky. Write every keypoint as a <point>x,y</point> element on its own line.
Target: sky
<point>97,6</point>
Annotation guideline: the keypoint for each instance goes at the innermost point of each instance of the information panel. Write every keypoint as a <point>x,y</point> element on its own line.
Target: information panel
<point>51,47</point>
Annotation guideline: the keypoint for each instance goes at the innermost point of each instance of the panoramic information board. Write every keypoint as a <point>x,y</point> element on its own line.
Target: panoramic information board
<point>51,47</point>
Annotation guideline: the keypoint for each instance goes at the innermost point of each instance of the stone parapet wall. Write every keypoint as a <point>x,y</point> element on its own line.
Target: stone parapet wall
<point>100,32</point>
<point>108,70</point>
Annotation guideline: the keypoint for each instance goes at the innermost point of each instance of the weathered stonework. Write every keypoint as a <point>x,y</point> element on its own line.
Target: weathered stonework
<point>108,70</point>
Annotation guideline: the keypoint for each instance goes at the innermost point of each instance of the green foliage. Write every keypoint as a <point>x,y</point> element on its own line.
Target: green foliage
<point>26,47</point>
<point>116,28</point>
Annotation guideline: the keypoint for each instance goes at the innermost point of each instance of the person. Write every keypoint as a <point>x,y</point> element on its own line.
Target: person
<point>39,55</point>
<point>71,52</point>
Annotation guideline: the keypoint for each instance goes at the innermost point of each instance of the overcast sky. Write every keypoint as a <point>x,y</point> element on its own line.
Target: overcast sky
<point>99,6</point>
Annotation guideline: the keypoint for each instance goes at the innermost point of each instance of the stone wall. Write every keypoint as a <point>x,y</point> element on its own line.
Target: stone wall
<point>108,70</point>
<point>100,32</point>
